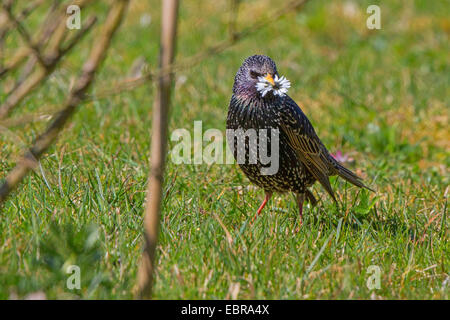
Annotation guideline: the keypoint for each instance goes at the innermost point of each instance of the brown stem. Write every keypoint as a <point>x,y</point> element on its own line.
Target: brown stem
<point>44,141</point>
<point>23,88</point>
<point>234,37</point>
<point>25,36</point>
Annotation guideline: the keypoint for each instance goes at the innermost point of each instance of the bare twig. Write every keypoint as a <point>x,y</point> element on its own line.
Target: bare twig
<point>77,37</point>
<point>129,84</point>
<point>44,141</point>
<point>61,28</point>
<point>51,21</point>
<point>135,82</point>
<point>20,17</point>
<point>25,36</point>
<point>233,39</point>
<point>234,11</point>
<point>53,28</point>
<point>29,118</point>
<point>158,151</point>
<point>22,89</point>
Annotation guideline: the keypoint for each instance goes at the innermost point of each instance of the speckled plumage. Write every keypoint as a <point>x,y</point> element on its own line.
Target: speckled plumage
<point>254,113</point>
<point>303,159</point>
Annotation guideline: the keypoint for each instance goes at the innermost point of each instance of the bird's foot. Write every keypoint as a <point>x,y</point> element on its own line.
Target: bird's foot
<point>263,204</point>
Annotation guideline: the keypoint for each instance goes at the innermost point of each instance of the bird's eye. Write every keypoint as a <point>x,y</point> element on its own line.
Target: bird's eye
<point>255,74</point>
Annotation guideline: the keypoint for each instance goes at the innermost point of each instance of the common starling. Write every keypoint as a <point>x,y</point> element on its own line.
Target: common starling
<point>259,102</point>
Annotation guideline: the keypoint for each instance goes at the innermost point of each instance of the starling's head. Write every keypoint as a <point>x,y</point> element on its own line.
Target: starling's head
<point>258,76</point>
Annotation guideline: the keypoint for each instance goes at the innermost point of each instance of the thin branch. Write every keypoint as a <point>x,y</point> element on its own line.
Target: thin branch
<point>236,36</point>
<point>23,89</point>
<point>78,36</point>
<point>53,28</point>
<point>4,28</point>
<point>158,149</point>
<point>51,22</point>
<point>130,84</point>
<point>234,12</point>
<point>42,115</point>
<point>133,83</point>
<point>25,36</point>
<point>44,141</point>
<point>49,25</point>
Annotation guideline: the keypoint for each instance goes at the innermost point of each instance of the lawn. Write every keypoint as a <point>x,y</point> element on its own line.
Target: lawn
<point>380,97</point>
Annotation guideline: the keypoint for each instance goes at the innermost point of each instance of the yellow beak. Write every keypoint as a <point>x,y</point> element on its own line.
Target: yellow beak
<point>270,79</point>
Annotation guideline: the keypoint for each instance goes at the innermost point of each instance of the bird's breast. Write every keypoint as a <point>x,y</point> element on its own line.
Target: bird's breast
<point>252,113</point>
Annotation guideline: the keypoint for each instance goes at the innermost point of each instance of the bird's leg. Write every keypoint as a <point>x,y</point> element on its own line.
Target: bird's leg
<point>300,200</point>
<point>263,204</point>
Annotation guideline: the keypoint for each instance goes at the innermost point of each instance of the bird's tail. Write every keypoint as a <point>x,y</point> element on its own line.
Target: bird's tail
<point>350,176</point>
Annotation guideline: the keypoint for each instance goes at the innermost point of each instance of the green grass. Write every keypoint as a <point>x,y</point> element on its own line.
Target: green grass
<point>380,95</point>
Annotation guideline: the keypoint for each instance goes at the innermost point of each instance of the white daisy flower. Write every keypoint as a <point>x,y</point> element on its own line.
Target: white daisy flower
<point>279,86</point>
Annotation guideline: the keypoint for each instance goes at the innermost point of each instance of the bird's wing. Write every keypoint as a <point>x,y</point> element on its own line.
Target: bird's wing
<point>304,140</point>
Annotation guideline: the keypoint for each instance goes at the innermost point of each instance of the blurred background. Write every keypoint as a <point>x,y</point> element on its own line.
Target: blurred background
<point>379,98</point>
